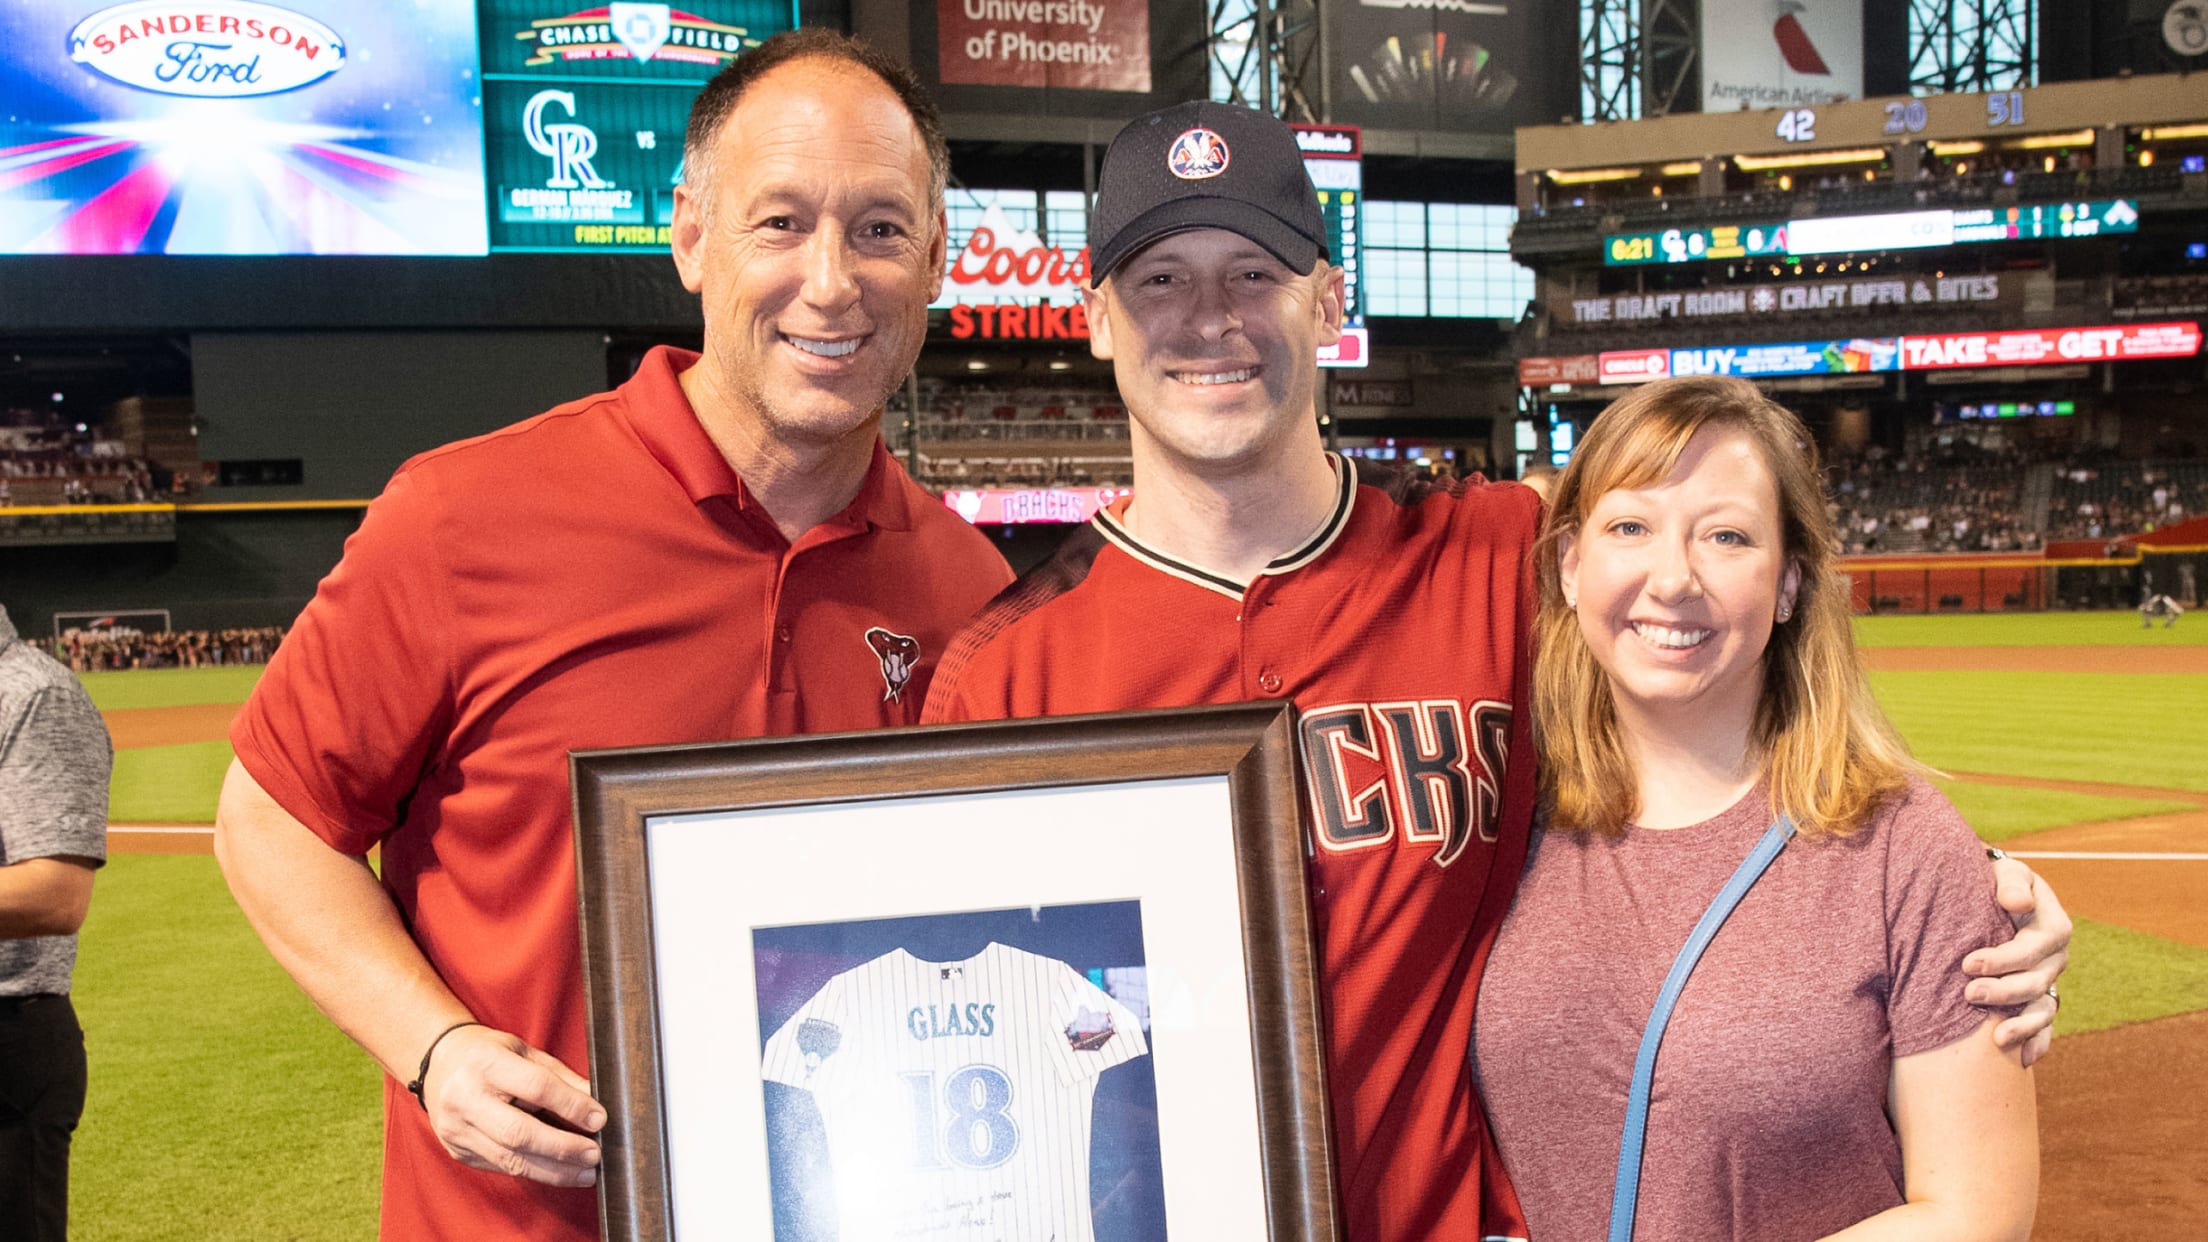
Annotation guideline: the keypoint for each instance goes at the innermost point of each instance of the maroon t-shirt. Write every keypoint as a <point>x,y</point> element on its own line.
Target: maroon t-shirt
<point>1767,1120</point>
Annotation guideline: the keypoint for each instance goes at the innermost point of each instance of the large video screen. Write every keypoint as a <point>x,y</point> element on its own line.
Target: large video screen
<point>309,127</point>
<point>237,127</point>
<point>585,106</point>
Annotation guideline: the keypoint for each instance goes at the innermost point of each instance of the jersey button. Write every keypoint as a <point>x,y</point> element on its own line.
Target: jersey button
<point>782,635</point>
<point>1269,682</point>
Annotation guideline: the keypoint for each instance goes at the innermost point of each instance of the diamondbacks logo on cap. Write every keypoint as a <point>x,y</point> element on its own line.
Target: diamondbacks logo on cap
<point>1197,154</point>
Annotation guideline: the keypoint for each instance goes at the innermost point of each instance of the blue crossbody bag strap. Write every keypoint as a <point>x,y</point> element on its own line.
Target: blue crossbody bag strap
<point>1627,1190</point>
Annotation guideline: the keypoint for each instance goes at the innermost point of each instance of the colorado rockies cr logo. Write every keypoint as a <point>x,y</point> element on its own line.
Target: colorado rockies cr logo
<point>1378,770</point>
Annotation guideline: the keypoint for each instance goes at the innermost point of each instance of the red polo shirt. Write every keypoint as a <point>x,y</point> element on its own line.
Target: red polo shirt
<point>596,576</point>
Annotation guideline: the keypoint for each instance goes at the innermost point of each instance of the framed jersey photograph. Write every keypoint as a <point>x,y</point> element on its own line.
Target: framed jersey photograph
<point>1045,979</point>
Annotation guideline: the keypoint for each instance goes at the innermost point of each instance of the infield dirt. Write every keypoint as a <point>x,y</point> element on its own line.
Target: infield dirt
<point>135,727</point>
<point>2036,659</point>
<point>2120,1133</point>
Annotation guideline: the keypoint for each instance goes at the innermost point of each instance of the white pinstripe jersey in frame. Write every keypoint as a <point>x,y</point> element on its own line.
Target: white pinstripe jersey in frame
<point>956,1103</point>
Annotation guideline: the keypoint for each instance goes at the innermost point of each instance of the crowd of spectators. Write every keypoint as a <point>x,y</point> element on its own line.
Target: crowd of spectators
<point>2111,499</point>
<point>47,460</point>
<point>1963,497</point>
<point>121,647</point>
<point>1063,433</point>
<point>1960,498</point>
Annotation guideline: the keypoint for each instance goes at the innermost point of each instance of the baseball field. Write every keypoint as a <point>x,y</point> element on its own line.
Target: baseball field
<point>224,1107</point>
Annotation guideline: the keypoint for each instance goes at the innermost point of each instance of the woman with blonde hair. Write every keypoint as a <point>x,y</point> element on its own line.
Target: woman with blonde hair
<point>1743,868</point>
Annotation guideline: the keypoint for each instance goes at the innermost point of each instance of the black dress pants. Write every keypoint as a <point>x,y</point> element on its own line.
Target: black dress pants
<point>41,1097</point>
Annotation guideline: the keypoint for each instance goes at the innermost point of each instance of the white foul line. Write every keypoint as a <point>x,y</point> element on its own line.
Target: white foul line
<point>2096,857</point>
<point>158,828</point>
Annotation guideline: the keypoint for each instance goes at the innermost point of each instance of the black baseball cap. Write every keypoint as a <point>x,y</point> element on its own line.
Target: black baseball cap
<point>1203,165</point>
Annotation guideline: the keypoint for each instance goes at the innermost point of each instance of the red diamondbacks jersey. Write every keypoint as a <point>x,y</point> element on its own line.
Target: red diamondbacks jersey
<point>1402,631</point>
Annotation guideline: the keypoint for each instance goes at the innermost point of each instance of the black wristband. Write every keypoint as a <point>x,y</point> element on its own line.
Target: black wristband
<point>422,1075</point>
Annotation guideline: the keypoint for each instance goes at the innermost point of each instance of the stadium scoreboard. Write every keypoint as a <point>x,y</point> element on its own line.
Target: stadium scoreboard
<point>1904,230</point>
<point>584,109</point>
<point>326,127</point>
<point>1334,157</point>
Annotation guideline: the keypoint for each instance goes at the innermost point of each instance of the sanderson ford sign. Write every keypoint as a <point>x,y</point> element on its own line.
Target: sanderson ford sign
<point>211,49</point>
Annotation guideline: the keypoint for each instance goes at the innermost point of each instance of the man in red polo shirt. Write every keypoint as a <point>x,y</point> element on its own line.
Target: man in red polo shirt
<point>720,548</point>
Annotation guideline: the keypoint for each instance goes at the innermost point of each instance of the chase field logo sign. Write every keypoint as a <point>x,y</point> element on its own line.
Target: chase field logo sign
<point>207,49</point>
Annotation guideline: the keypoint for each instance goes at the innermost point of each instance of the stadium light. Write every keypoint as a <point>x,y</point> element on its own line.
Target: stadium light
<point>2040,142</point>
<point>1758,163</point>
<point>1957,148</point>
<point>2160,133</point>
<point>1685,168</point>
<point>1586,176</point>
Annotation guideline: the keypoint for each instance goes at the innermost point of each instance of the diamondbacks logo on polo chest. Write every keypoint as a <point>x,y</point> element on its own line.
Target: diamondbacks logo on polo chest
<point>898,654</point>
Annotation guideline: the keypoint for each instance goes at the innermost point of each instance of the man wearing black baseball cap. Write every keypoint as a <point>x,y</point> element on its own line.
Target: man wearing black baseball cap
<point>1211,294</point>
<point>1253,564</point>
<point>1206,165</point>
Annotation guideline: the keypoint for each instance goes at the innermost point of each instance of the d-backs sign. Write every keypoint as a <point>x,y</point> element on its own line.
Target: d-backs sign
<point>584,108</point>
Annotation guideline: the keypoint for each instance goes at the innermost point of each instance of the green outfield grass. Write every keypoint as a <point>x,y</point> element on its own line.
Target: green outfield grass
<point>167,784</point>
<point>2146,729</point>
<point>2118,975</point>
<point>171,687</point>
<point>1998,812</point>
<point>223,1107</point>
<point>2028,629</point>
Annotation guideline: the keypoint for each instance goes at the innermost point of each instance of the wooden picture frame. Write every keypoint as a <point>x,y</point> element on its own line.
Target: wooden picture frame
<point>1187,818</point>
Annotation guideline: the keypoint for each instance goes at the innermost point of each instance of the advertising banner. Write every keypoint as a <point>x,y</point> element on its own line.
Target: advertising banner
<point>1780,53</point>
<point>1094,45</point>
<point>1873,355</point>
<point>1011,506</point>
<point>1390,393</point>
<point>999,262</point>
<point>1542,372</point>
<point>584,108</point>
<point>1793,298</point>
<point>1632,366</point>
<point>1011,321</point>
<point>1353,350</point>
<point>2026,347</point>
<point>240,127</point>
<point>1455,65</point>
<point>1851,357</point>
